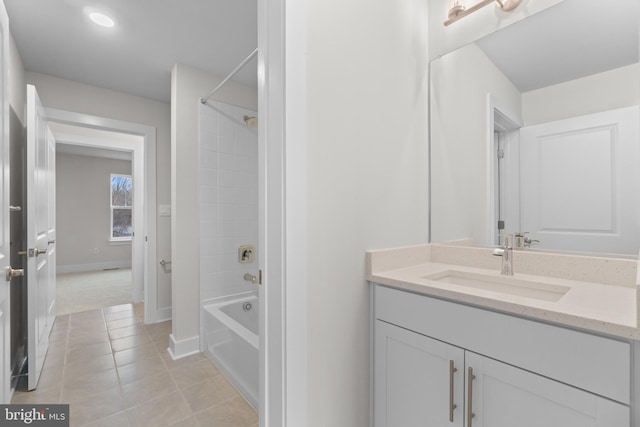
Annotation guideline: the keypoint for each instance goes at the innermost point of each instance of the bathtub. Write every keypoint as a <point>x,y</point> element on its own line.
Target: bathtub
<point>230,339</point>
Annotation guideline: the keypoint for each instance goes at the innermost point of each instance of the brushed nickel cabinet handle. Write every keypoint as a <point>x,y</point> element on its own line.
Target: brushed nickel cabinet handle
<point>470,413</point>
<point>452,406</point>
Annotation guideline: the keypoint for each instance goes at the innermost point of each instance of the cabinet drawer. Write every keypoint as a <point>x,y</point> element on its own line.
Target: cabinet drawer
<point>594,363</point>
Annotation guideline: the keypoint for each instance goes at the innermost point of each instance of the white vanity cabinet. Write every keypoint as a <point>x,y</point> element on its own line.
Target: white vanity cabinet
<point>438,363</point>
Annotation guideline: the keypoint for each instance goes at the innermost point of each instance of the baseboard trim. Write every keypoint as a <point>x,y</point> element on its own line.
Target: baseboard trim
<point>96,266</point>
<point>160,315</point>
<point>179,349</point>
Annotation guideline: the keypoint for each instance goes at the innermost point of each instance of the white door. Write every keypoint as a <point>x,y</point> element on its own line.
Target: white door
<point>419,380</point>
<point>505,396</point>
<point>580,181</point>
<point>5,327</point>
<point>40,234</point>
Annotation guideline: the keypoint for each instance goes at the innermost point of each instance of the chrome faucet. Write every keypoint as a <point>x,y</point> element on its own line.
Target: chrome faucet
<point>506,252</point>
<point>521,241</point>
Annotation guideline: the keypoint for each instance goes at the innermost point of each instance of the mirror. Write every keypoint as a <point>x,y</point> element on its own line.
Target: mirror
<point>535,128</point>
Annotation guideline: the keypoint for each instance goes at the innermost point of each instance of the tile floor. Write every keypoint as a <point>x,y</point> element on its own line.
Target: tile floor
<point>114,370</point>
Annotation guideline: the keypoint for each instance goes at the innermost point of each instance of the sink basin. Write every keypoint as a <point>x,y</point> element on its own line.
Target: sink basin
<point>502,284</point>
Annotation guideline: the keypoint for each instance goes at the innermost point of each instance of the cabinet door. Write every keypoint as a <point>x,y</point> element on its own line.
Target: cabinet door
<point>505,396</point>
<point>418,380</point>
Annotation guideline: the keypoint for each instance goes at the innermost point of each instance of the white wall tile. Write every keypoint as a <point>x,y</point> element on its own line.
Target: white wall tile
<point>208,177</point>
<point>228,200</point>
<point>208,159</point>
<point>208,194</point>
<point>226,178</point>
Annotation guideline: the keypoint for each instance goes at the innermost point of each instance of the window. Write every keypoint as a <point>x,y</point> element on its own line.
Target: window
<point>121,197</point>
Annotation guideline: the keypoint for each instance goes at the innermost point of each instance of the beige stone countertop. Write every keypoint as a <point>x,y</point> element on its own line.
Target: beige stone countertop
<point>606,309</point>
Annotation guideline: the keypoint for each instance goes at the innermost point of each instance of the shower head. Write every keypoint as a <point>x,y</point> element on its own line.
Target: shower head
<point>251,121</point>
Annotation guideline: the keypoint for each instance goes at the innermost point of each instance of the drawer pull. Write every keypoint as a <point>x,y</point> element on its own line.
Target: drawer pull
<point>470,413</point>
<point>452,406</point>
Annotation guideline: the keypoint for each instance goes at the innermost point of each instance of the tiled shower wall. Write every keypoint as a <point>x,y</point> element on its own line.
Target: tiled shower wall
<point>228,181</point>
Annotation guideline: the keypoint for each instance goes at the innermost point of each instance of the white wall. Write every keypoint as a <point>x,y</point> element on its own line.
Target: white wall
<point>366,173</point>
<point>83,213</point>
<point>228,170</point>
<point>81,98</point>
<point>605,91</point>
<point>459,141</point>
<point>188,85</point>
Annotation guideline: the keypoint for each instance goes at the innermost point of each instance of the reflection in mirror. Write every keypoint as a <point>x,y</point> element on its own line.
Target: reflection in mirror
<point>535,128</point>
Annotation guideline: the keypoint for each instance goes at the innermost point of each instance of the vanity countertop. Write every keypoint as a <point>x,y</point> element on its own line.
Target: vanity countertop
<point>603,308</point>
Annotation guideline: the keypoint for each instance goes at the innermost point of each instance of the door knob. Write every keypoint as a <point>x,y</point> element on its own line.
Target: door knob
<point>250,278</point>
<point>33,252</point>
<point>11,273</point>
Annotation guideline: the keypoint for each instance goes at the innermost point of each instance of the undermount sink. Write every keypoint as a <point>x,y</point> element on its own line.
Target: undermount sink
<point>501,284</point>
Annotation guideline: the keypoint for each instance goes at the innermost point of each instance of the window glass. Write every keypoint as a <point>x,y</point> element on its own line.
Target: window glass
<point>121,204</point>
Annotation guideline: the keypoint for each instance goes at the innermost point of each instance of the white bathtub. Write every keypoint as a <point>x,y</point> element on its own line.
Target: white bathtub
<point>230,339</point>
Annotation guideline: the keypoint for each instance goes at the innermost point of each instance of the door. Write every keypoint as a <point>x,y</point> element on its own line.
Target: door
<point>40,235</point>
<point>418,380</point>
<point>5,324</point>
<point>504,396</point>
<point>580,182</point>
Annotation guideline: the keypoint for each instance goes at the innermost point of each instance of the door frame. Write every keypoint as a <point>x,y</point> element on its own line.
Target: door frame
<point>283,204</point>
<point>144,249</point>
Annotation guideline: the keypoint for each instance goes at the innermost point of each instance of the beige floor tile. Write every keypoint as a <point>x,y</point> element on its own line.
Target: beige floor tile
<point>88,352</point>
<point>122,314</point>
<point>121,419</point>
<point>147,389</point>
<point>127,331</point>
<point>232,413</point>
<point>120,323</point>
<point>190,374</point>
<point>189,422</point>
<point>161,412</point>
<point>81,387</point>
<point>118,373</point>
<point>132,341</point>
<point>87,337</point>
<point>141,369</point>
<point>87,367</point>
<point>161,328</point>
<point>50,378</point>
<point>208,393</point>
<point>126,357</point>
<point>41,395</point>
<point>96,407</point>
<point>120,307</point>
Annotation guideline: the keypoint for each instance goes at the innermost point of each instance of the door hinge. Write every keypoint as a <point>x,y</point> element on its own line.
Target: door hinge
<point>259,277</point>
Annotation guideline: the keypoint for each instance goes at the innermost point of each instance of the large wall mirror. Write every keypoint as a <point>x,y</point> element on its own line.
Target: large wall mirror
<point>535,128</point>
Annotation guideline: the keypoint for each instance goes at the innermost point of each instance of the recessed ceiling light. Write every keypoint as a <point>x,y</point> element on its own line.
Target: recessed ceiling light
<point>102,19</point>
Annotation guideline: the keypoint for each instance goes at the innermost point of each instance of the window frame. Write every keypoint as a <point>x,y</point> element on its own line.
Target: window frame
<point>124,239</point>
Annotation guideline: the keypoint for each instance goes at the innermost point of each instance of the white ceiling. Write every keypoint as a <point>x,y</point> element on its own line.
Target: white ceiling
<point>573,39</point>
<point>55,37</point>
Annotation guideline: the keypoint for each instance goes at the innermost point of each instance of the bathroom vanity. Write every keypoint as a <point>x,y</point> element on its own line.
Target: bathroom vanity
<point>454,343</point>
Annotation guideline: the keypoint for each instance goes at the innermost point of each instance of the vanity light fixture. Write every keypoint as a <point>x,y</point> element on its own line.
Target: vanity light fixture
<point>457,9</point>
